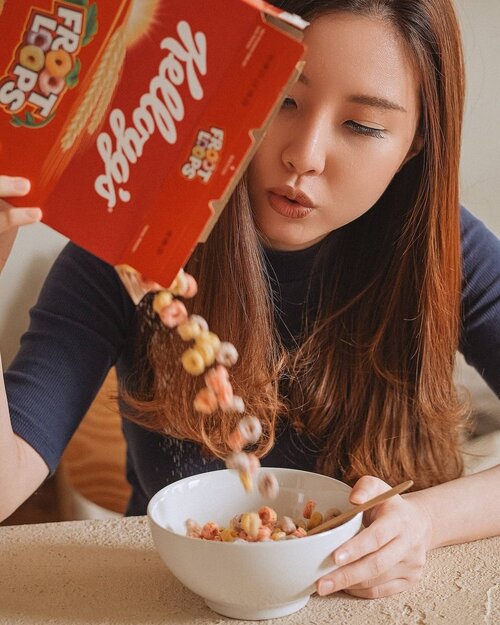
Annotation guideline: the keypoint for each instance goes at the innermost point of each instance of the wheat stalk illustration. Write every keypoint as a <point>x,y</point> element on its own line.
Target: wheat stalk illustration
<point>141,17</point>
<point>2,3</point>
<point>104,80</point>
<point>111,77</point>
<point>91,112</point>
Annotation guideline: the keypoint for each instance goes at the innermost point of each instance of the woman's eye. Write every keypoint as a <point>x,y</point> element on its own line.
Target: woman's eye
<point>365,130</point>
<point>288,103</point>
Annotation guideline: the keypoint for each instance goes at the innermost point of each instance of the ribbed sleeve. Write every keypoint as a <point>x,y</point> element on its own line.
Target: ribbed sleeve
<point>480,338</point>
<point>77,330</point>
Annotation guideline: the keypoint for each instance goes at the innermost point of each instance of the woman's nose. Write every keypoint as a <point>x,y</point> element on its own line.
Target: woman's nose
<point>306,150</point>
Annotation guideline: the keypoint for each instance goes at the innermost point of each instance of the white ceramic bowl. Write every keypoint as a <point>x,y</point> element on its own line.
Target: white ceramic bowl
<point>247,580</point>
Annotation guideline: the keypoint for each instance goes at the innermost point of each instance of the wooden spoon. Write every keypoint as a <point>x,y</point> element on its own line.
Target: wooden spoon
<point>346,516</point>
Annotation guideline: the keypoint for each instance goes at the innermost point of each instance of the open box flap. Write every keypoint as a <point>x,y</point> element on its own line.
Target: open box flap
<point>256,136</point>
<point>289,22</point>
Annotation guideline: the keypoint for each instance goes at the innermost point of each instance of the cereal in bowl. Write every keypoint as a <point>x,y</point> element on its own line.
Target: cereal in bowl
<point>263,525</point>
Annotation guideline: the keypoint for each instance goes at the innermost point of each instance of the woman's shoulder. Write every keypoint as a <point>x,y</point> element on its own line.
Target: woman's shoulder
<point>84,288</point>
<point>78,269</point>
<point>480,335</point>
<point>74,258</point>
<point>480,249</point>
<point>474,232</point>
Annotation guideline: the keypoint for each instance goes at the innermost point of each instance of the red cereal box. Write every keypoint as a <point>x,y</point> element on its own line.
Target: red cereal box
<point>134,119</point>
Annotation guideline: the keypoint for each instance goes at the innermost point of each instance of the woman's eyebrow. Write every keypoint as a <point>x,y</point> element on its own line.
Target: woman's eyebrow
<point>368,100</point>
<point>376,102</point>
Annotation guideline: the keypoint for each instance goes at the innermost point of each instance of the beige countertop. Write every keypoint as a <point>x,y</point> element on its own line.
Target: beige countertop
<point>108,573</point>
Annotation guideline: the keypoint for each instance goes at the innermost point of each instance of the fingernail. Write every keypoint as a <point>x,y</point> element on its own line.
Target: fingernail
<point>359,496</point>
<point>21,185</point>
<point>341,557</point>
<point>34,213</point>
<point>325,587</point>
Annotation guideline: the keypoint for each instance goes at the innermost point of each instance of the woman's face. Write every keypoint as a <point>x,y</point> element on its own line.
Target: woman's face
<point>346,128</point>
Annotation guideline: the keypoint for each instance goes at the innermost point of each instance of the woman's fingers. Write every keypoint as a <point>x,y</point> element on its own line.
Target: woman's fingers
<point>366,488</point>
<point>370,567</point>
<point>369,540</point>
<point>11,186</point>
<point>11,217</point>
<point>386,557</point>
<point>382,590</point>
<point>411,571</point>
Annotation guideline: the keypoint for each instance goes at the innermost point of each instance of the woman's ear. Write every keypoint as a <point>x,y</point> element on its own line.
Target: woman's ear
<point>415,148</point>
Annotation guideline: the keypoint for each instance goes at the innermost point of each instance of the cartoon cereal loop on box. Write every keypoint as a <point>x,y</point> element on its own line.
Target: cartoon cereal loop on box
<point>45,64</point>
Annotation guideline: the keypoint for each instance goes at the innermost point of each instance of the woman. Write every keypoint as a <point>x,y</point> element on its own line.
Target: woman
<point>336,271</point>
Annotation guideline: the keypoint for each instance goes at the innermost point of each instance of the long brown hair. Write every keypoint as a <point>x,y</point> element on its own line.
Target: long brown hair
<point>373,377</point>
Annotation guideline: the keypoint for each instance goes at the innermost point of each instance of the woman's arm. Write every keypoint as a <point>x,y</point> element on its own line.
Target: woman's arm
<point>464,509</point>
<point>22,470</point>
<point>78,328</point>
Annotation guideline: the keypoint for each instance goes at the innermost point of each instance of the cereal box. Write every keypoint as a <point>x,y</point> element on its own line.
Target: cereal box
<point>134,119</point>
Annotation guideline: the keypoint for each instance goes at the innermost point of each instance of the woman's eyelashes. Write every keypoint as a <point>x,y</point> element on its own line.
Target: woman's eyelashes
<point>360,129</point>
<point>378,133</point>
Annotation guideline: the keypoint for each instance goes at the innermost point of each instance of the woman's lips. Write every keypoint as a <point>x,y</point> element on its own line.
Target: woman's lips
<point>287,208</point>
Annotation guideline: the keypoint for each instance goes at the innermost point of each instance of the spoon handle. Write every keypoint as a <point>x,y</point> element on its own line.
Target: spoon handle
<point>346,516</point>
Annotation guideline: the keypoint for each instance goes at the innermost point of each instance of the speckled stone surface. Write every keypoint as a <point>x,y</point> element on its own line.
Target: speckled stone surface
<point>108,573</point>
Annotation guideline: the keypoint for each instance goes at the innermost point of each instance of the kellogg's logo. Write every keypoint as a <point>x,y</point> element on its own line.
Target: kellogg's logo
<point>46,64</point>
<point>160,110</point>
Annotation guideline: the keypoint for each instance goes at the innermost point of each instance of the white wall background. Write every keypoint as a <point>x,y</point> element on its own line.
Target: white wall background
<point>480,20</point>
<point>37,246</point>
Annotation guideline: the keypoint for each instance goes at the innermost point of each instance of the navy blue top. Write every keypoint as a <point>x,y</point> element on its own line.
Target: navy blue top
<point>84,323</point>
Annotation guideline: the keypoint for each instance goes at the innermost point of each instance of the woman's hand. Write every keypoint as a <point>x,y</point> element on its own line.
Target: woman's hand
<point>11,218</point>
<point>386,557</point>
